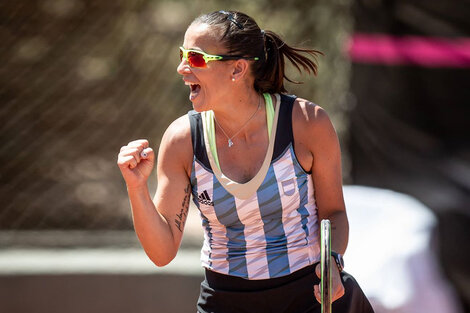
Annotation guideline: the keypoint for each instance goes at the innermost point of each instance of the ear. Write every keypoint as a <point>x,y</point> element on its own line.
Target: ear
<point>240,69</point>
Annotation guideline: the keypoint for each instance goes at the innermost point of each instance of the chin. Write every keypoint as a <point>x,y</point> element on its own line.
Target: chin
<point>199,105</point>
<point>198,110</point>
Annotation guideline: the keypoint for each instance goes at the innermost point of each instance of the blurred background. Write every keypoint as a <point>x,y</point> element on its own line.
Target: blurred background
<point>81,78</point>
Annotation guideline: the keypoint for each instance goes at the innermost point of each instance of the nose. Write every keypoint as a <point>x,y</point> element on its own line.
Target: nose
<point>183,67</point>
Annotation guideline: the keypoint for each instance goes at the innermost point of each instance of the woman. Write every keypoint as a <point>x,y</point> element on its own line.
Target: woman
<point>263,168</point>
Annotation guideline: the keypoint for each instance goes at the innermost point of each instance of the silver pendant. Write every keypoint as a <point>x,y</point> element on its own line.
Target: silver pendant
<point>230,143</point>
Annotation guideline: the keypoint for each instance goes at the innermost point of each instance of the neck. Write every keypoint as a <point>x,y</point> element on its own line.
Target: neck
<point>234,113</point>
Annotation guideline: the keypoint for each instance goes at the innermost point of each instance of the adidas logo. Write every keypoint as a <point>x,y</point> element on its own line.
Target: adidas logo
<point>204,198</point>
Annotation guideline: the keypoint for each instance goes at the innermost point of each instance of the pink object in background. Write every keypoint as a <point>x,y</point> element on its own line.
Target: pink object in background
<point>409,50</point>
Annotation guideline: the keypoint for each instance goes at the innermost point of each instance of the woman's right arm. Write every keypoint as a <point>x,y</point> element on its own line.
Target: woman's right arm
<point>159,223</point>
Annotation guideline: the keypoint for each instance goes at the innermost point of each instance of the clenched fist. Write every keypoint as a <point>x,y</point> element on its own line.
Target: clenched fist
<point>136,161</point>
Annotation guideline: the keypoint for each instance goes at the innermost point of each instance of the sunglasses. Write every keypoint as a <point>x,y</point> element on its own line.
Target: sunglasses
<point>199,59</point>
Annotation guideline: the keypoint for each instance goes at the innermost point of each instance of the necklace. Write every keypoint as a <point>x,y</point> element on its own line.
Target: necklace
<point>230,142</point>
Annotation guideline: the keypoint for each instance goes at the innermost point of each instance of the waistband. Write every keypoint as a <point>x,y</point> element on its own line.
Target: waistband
<point>220,281</point>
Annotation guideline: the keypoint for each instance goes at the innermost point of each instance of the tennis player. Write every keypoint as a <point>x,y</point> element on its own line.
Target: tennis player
<point>263,168</point>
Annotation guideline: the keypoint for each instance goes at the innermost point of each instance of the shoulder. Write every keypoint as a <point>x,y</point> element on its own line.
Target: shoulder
<point>178,131</point>
<point>313,128</point>
<point>316,141</point>
<point>307,114</point>
<point>176,142</point>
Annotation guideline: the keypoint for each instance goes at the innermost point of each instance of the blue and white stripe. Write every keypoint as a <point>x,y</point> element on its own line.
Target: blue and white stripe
<point>271,234</point>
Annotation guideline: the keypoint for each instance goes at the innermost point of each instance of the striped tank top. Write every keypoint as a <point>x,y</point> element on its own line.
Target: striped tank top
<point>267,227</point>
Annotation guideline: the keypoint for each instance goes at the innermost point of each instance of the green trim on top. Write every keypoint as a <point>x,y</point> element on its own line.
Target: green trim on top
<point>210,125</point>
<point>269,112</point>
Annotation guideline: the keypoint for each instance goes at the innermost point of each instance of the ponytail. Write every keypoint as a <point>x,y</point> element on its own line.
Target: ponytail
<point>270,72</point>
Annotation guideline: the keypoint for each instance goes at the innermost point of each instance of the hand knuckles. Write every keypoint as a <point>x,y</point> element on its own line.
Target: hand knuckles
<point>132,145</point>
<point>125,159</point>
<point>127,150</point>
<point>138,143</point>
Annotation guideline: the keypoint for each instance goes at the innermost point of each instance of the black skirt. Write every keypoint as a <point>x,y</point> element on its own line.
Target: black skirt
<point>288,294</point>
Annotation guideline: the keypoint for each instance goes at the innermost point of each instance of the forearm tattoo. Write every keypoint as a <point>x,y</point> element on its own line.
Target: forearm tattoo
<point>180,219</point>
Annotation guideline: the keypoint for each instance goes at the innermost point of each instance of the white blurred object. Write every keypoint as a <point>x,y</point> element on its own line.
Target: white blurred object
<point>390,255</point>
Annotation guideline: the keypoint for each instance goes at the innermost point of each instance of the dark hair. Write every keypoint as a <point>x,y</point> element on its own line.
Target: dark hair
<point>242,36</point>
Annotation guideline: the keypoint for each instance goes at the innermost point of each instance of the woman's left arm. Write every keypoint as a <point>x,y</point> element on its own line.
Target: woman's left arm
<point>327,179</point>
<point>320,143</point>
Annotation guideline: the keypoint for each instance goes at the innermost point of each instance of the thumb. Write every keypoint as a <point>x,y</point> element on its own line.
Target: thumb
<point>147,154</point>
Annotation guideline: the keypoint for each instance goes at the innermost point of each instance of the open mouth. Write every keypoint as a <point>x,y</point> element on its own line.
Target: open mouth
<point>195,89</point>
